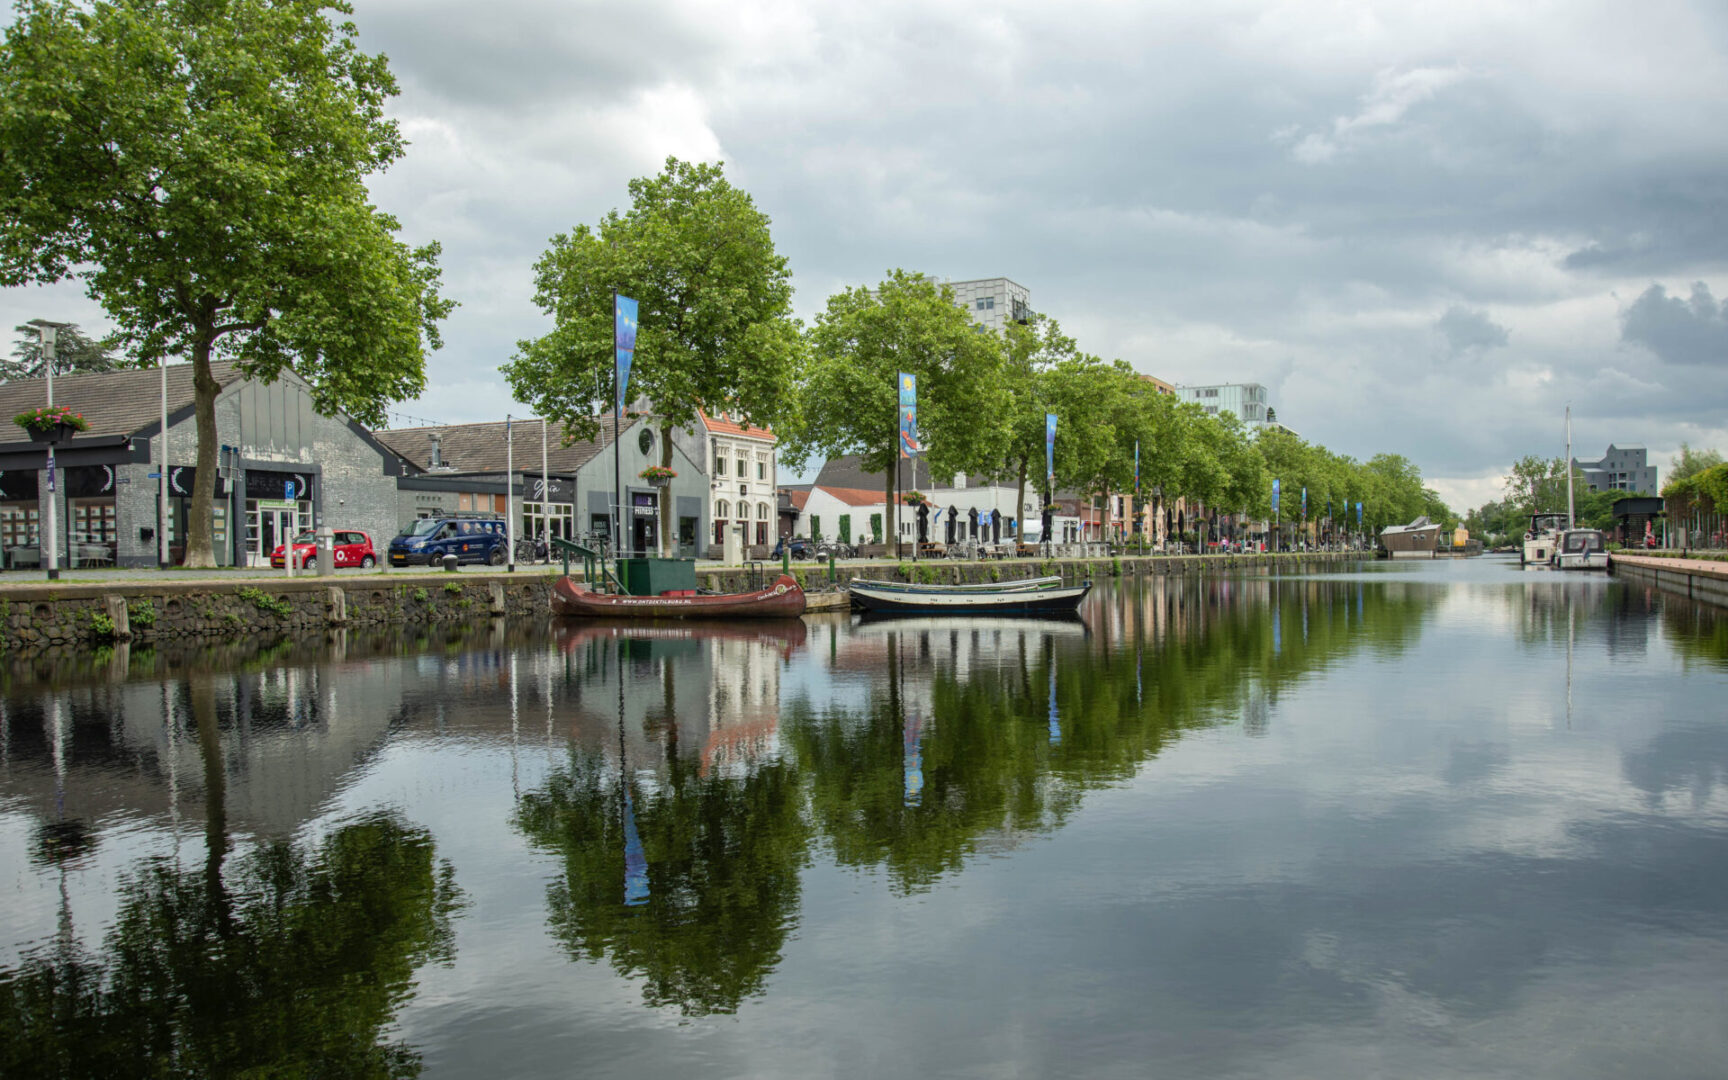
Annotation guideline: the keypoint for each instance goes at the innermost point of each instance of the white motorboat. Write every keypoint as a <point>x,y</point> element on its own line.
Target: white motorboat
<point>1542,539</point>
<point>1581,549</point>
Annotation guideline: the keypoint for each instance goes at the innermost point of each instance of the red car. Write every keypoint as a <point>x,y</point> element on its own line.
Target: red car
<point>352,549</point>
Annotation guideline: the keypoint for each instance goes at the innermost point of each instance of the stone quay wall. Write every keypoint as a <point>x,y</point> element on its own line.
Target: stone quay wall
<point>1694,578</point>
<point>48,614</point>
<point>45,614</point>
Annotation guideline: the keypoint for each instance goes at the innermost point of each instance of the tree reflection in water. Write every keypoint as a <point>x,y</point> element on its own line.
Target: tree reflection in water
<point>971,735</point>
<point>287,961</point>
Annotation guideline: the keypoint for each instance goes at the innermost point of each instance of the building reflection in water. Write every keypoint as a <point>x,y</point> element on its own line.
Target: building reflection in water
<point>683,779</point>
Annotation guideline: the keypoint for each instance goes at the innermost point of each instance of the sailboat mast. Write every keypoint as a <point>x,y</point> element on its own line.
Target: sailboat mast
<point>1570,522</point>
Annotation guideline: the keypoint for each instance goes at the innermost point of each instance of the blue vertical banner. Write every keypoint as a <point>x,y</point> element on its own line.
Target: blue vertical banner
<point>1274,497</point>
<point>635,858</point>
<point>1358,515</point>
<point>1050,450</point>
<point>912,768</point>
<point>908,414</point>
<point>624,342</point>
<point>1304,504</point>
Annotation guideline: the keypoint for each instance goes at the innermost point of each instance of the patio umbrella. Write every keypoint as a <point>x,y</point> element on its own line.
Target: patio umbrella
<point>995,527</point>
<point>923,523</point>
<point>973,516</point>
<point>953,513</point>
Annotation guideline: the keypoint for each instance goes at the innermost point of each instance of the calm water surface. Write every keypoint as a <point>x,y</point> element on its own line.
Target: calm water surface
<point>1416,820</point>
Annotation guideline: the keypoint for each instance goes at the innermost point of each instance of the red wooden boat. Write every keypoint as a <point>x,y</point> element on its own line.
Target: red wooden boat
<point>782,599</point>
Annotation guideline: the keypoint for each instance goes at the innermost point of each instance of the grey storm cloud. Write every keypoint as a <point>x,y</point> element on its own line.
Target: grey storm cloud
<point>1283,193</point>
<point>1693,331</point>
<point>1466,330</point>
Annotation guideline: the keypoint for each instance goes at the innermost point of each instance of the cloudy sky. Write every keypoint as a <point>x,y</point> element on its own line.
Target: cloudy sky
<point>1425,227</point>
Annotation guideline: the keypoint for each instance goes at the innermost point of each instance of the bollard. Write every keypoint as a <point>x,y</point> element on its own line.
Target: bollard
<point>450,564</point>
<point>324,541</point>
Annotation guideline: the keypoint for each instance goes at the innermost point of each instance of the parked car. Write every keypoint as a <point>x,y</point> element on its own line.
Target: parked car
<point>800,547</point>
<point>352,548</point>
<point>470,539</point>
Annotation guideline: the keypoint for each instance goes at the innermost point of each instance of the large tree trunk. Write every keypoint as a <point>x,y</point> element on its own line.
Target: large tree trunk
<point>199,551</point>
<point>1020,503</point>
<point>668,541</point>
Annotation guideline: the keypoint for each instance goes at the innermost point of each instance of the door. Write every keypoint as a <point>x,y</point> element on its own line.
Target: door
<point>642,539</point>
<point>276,527</point>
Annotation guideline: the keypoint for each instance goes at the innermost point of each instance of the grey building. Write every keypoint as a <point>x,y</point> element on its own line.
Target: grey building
<point>993,303</point>
<point>283,468</point>
<point>1622,468</point>
<point>563,489</point>
<point>1250,402</point>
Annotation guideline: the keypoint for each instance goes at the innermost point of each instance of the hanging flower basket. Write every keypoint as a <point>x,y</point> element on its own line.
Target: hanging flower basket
<point>51,423</point>
<point>658,475</point>
<point>914,498</point>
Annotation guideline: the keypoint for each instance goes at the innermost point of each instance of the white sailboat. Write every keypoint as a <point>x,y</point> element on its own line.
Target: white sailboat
<point>1575,548</point>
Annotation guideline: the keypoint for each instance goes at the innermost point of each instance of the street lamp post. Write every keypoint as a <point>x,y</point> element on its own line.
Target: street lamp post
<point>47,333</point>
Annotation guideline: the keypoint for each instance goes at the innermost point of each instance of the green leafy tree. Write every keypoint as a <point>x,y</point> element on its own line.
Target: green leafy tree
<point>715,330</point>
<point>1030,350</point>
<point>1692,462</point>
<point>74,353</point>
<point>850,400</point>
<point>201,166</point>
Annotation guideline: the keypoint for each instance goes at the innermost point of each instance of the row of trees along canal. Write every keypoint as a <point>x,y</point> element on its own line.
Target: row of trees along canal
<point>216,207</point>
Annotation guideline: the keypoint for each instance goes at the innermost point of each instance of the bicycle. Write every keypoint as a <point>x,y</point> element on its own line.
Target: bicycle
<point>532,550</point>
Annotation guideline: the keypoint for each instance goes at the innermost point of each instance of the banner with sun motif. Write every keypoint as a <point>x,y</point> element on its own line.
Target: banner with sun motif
<point>908,414</point>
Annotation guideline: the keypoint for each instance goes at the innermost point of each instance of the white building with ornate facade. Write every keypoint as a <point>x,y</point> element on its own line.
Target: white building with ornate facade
<point>739,461</point>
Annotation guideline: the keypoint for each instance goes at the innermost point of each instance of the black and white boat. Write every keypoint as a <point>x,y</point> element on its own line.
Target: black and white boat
<point>869,596</point>
<point>1024,585</point>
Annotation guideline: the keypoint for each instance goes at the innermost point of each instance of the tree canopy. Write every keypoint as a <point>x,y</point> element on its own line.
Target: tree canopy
<point>849,401</point>
<point>201,168</point>
<point>715,327</point>
<point>74,352</point>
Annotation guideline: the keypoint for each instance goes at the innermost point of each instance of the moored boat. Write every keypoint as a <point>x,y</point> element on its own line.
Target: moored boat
<point>1541,539</point>
<point>976,587</point>
<point>782,599</point>
<point>1581,549</point>
<point>868,597</point>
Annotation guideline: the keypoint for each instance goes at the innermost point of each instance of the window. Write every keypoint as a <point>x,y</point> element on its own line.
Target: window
<point>743,468</point>
<point>761,470</point>
<point>645,441</point>
<point>723,509</point>
<point>719,465</point>
<point>762,511</point>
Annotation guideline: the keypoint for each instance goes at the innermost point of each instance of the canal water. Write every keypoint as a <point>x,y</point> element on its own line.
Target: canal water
<point>1406,820</point>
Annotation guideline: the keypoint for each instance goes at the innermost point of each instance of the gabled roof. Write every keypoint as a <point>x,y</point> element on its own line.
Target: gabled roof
<point>796,497</point>
<point>853,496</point>
<point>847,471</point>
<point>480,448</point>
<point>112,402</point>
<point>723,425</point>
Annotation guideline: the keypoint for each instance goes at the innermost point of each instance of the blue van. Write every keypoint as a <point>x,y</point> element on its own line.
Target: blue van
<point>470,539</point>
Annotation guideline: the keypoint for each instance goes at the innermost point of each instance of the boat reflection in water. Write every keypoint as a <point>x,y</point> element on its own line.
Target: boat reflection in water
<point>368,853</point>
